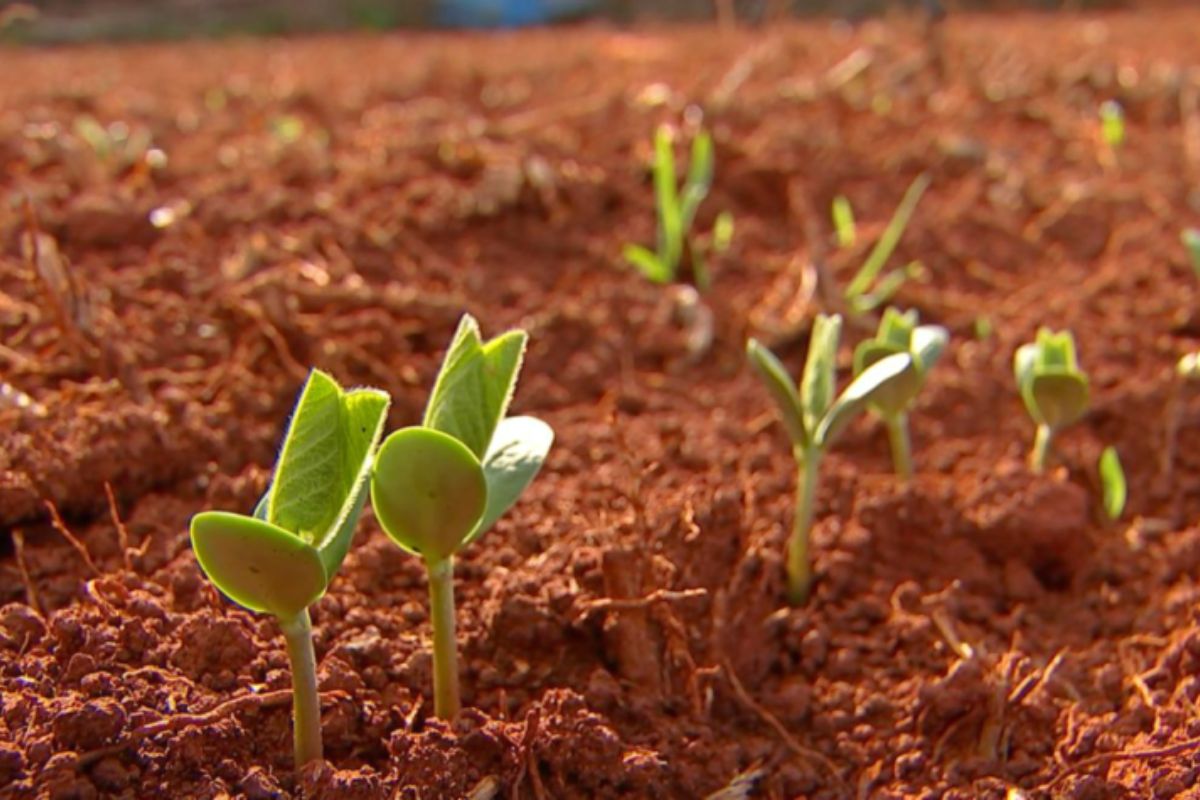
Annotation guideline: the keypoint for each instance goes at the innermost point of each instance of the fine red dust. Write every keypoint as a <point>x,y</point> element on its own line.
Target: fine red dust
<point>260,207</point>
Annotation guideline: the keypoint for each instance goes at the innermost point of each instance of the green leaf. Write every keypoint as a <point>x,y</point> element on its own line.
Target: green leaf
<point>256,564</point>
<point>1056,351</point>
<point>429,492</point>
<point>666,199</point>
<point>893,397</point>
<point>1112,123</point>
<point>880,377</point>
<point>1024,363</point>
<point>817,383</point>
<point>1191,240</point>
<point>518,450</point>
<point>1112,476</point>
<point>781,388</point>
<point>306,492</point>
<point>1060,398</point>
<point>896,328</point>
<point>364,412</point>
<point>722,232</point>
<point>474,386</point>
<point>927,344</point>
<point>699,179</point>
<point>647,263</point>
<point>887,242</point>
<point>843,222</point>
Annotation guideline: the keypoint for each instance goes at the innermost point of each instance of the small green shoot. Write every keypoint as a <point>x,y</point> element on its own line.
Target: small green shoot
<point>1191,240</point>
<point>843,222</point>
<point>899,333</point>
<point>1112,478</point>
<point>437,486</point>
<point>814,417</point>
<point>1112,124</point>
<point>1188,367</point>
<point>1054,389</point>
<point>868,291</point>
<point>281,559</point>
<point>676,209</point>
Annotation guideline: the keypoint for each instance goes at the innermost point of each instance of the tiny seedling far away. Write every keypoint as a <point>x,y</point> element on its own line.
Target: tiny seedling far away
<point>900,333</point>
<point>1055,391</point>
<point>282,558</point>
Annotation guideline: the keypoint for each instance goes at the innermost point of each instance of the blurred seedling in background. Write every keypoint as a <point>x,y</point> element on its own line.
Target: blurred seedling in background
<point>117,147</point>
<point>1112,132</point>
<point>1186,377</point>
<point>282,559</point>
<point>1112,482</point>
<point>900,333</point>
<point>677,245</point>
<point>814,416</point>
<point>438,486</point>
<point>1191,240</point>
<point>868,290</point>
<point>1055,391</point>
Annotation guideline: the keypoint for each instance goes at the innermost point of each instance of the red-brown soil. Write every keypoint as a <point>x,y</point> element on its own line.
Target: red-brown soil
<point>976,632</point>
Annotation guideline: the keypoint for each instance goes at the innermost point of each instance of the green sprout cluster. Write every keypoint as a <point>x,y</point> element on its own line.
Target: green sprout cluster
<point>868,290</point>
<point>676,208</point>
<point>814,415</point>
<point>434,487</point>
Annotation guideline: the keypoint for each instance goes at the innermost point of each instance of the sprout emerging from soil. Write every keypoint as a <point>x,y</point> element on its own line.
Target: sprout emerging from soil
<point>814,417</point>
<point>1056,392</point>
<point>1191,240</point>
<point>844,228</point>
<point>1112,479</point>
<point>281,560</point>
<point>676,210</point>
<point>868,291</point>
<point>1112,124</point>
<point>899,333</point>
<point>437,486</point>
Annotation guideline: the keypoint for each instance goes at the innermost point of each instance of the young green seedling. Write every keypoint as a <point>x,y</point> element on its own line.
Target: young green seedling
<point>676,211</point>
<point>813,417</point>
<point>899,333</point>
<point>1112,125</point>
<point>281,559</point>
<point>1191,240</point>
<point>437,486</point>
<point>867,290</point>
<point>1112,478</point>
<point>844,228</point>
<point>1054,389</point>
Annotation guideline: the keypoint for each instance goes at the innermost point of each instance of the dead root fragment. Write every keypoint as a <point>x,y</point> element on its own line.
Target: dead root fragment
<point>178,722</point>
<point>56,521</point>
<point>31,595</point>
<point>773,722</point>
<point>642,603</point>
<point>1105,759</point>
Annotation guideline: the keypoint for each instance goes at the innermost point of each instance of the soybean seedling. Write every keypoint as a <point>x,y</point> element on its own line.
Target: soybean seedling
<point>1112,125</point>
<point>437,486</point>
<point>1112,479</point>
<point>281,559</point>
<point>899,333</point>
<point>814,417</point>
<point>1054,389</point>
<point>1191,240</point>
<point>676,209</point>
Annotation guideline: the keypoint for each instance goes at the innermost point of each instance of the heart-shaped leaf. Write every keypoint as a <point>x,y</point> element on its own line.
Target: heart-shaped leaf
<point>429,492</point>
<point>518,450</point>
<point>256,564</point>
<point>880,377</point>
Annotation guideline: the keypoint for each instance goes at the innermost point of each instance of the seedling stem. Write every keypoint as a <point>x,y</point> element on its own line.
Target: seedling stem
<point>446,701</point>
<point>799,567</point>
<point>1041,448</point>
<point>897,428</point>
<point>306,702</point>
